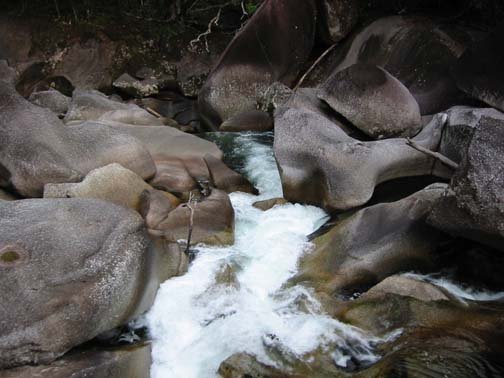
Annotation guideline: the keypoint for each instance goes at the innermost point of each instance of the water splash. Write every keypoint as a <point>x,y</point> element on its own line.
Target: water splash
<point>196,322</point>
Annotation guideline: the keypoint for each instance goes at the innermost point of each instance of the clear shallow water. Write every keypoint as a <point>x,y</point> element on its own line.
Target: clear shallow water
<point>197,323</point>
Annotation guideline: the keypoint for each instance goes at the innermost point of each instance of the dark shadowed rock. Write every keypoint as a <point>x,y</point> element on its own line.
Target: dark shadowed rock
<point>251,120</point>
<point>336,19</point>
<point>39,149</point>
<point>372,244</point>
<point>271,47</point>
<point>479,70</point>
<point>473,205</point>
<point>70,270</point>
<point>52,100</point>
<point>6,196</point>
<point>119,362</point>
<point>417,51</point>
<point>319,164</point>
<point>373,101</point>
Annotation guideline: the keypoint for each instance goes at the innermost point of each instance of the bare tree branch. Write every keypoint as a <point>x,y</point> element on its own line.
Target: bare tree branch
<point>213,21</point>
<point>436,155</point>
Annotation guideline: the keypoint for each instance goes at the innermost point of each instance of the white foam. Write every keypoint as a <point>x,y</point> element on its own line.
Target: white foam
<point>458,290</point>
<point>195,324</point>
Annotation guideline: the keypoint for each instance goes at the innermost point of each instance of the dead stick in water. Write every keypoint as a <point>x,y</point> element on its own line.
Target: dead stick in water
<point>312,67</point>
<point>153,112</point>
<point>191,223</point>
<point>436,155</point>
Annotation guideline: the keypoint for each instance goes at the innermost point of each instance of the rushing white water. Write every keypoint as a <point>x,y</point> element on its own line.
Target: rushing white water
<point>458,290</point>
<point>196,323</point>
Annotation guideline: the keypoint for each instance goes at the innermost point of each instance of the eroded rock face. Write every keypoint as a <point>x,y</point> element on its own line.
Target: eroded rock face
<point>119,362</point>
<point>321,165</point>
<point>479,70</point>
<point>473,206</point>
<point>417,51</point>
<point>136,88</point>
<point>40,149</point>
<point>372,244</point>
<point>272,46</point>
<point>373,101</point>
<point>70,270</point>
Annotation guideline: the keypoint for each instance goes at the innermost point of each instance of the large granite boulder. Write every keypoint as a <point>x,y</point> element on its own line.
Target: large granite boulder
<point>37,148</point>
<point>473,205</point>
<point>52,100</point>
<point>479,72</point>
<point>372,244</point>
<point>321,165</point>
<point>373,101</point>
<point>71,269</point>
<point>273,46</point>
<point>417,51</point>
<point>112,183</point>
<point>118,362</point>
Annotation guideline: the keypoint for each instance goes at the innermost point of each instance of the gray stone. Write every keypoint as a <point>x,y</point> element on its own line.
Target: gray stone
<point>52,100</point>
<point>373,101</point>
<point>321,165</point>
<point>71,269</point>
<point>136,88</point>
<point>40,149</point>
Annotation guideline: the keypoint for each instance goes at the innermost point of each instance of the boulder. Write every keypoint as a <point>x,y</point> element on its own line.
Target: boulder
<point>118,362</point>
<point>41,149</point>
<point>173,176</point>
<point>417,51</point>
<point>52,100</point>
<point>71,269</point>
<point>112,183</point>
<point>213,219</point>
<point>270,203</point>
<point>321,165</point>
<point>136,88</point>
<point>272,46</point>
<point>372,244</point>
<point>275,96</point>
<point>243,365</point>
<point>87,64</point>
<point>373,101</point>
<point>337,19</point>
<point>251,120</point>
<point>479,73</point>
<point>93,105</point>
<point>473,205</point>
<point>408,287</point>
<point>225,178</point>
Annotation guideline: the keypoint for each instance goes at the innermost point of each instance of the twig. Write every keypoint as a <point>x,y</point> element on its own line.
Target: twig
<point>213,21</point>
<point>153,112</point>
<point>191,222</point>
<point>312,67</point>
<point>436,155</point>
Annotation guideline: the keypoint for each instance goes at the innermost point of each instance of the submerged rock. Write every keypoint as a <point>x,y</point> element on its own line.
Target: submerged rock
<point>70,270</point>
<point>41,149</point>
<point>272,46</point>
<point>372,244</point>
<point>373,101</point>
<point>270,203</point>
<point>321,165</point>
